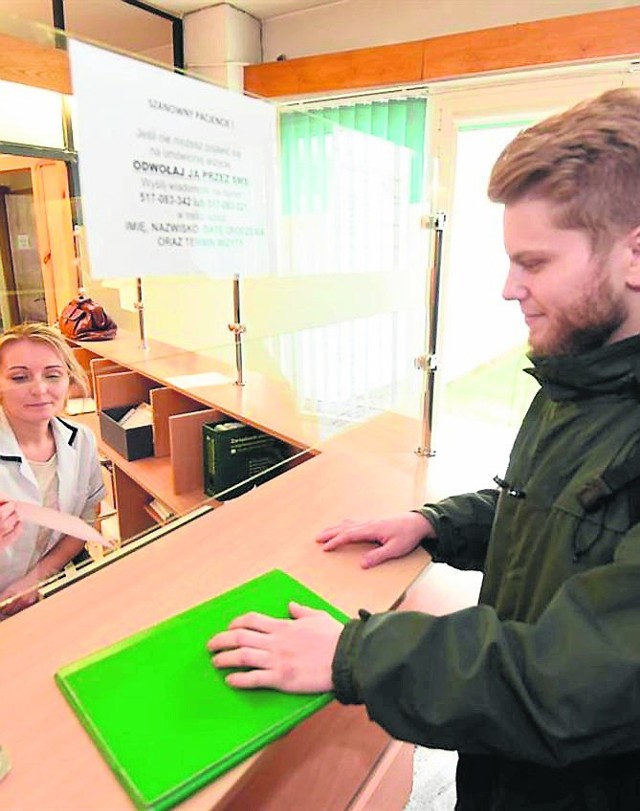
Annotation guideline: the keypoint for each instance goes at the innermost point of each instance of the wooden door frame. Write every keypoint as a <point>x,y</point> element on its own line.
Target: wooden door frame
<point>55,241</point>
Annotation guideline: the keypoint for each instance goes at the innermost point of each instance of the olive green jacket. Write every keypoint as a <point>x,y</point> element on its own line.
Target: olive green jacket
<point>538,687</point>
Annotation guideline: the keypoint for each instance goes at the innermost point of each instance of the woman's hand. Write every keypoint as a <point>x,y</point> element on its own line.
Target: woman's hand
<point>293,655</point>
<point>10,524</point>
<point>397,535</point>
<point>19,595</point>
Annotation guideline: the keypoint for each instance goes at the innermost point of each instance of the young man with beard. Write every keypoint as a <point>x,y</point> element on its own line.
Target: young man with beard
<point>537,687</point>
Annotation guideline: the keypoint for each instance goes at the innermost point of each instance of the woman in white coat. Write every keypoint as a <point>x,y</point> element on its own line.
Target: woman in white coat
<point>44,459</point>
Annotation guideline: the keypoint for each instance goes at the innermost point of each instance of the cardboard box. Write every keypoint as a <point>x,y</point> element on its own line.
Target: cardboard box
<point>132,443</point>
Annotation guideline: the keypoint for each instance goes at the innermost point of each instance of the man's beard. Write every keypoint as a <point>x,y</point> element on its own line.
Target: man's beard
<point>589,326</point>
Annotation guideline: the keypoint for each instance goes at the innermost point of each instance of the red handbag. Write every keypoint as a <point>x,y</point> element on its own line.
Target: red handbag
<point>85,320</point>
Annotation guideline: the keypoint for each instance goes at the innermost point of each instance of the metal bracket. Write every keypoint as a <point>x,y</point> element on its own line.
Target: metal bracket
<point>426,363</point>
<point>433,222</point>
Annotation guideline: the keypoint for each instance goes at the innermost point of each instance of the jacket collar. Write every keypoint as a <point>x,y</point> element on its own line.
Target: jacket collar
<point>613,369</point>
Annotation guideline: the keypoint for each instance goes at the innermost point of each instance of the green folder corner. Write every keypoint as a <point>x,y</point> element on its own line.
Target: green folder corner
<point>163,716</point>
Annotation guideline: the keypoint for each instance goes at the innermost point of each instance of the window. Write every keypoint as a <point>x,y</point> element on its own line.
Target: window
<point>482,393</point>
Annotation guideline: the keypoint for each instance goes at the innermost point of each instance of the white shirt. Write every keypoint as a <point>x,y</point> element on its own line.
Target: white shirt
<point>46,474</point>
<point>80,487</point>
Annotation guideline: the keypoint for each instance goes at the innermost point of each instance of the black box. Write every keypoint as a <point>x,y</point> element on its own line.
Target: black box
<point>238,457</point>
<point>132,443</point>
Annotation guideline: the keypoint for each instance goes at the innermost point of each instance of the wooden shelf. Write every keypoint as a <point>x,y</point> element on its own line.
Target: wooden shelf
<point>152,474</point>
<point>155,476</point>
<point>185,390</point>
<point>159,519</point>
<point>267,404</point>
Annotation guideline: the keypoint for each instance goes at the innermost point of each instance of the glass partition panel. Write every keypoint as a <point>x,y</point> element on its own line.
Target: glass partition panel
<point>218,381</point>
<point>283,415</point>
<point>483,392</point>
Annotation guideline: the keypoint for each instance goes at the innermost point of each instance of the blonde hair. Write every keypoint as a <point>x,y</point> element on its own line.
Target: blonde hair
<point>43,334</point>
<point>585,160</point>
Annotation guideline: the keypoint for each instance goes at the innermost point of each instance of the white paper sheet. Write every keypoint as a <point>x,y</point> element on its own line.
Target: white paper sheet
<point>59,521</point>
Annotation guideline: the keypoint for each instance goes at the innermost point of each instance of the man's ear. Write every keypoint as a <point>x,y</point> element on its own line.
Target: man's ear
<point>632,241</point>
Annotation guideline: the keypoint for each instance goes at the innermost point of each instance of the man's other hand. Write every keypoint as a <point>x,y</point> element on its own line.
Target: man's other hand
<point>292,655</point>
<point>397,535</point>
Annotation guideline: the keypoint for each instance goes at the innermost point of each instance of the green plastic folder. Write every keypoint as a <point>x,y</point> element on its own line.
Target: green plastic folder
<point>163,716</point>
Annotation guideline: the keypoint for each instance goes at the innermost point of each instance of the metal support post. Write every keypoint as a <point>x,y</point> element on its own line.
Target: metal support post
<point>428,363</point>
<point>78,261</point>
<point>237,328</point>
<point>139,305</point>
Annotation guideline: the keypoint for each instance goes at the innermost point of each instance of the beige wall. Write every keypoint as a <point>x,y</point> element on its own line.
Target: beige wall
<point>354,24</point>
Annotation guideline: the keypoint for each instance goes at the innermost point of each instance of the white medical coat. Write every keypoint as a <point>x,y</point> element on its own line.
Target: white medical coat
<point>80,485</point>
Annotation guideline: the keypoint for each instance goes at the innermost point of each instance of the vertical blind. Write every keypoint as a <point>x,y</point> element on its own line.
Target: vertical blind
<point>349,175</point>
<point>352,180</point>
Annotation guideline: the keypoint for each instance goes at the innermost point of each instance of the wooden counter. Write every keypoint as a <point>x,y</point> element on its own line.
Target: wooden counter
<point>55,764</point>
<point>337,759</point>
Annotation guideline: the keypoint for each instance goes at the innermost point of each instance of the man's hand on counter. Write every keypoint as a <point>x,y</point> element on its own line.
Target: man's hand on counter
<point>292,655</point>
<point>396,535</point>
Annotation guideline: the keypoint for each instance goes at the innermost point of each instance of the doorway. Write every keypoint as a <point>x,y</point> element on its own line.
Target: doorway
<point>37,260</point>
<point>22,282</point>
<point>481,392</point>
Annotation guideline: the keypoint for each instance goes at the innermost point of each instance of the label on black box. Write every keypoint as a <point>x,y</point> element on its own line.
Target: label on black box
<point>236,454</point>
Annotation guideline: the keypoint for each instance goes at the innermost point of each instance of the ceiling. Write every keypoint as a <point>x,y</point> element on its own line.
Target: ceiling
<point>262,9</point>
<point>130,28</point>
<point>105,11</point>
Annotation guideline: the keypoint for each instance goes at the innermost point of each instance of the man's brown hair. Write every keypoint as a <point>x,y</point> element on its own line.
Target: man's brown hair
<point>586,161</point>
